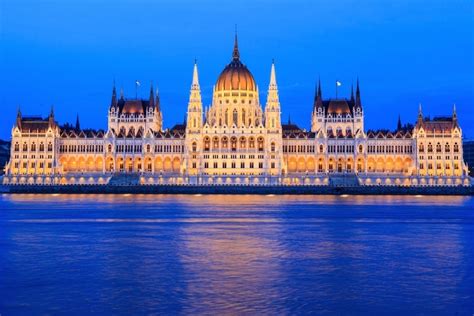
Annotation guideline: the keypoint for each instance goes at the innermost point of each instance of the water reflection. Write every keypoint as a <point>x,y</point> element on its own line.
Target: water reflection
<point>206,254</point>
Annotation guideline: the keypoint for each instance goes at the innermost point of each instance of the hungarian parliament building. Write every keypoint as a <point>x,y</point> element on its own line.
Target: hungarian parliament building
<point>236,141</point>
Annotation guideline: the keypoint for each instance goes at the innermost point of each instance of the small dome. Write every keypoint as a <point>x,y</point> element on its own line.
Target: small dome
<point>235,75</point>
<point>338,107</point>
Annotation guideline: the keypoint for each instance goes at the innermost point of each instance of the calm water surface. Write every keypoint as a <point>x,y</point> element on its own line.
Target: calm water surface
<point>124,254</point>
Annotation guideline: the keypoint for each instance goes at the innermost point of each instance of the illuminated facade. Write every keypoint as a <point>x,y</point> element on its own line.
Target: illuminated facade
<point>236,141</point>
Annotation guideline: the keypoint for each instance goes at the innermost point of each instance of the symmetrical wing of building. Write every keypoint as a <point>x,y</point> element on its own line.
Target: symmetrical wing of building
<point>236,141</point>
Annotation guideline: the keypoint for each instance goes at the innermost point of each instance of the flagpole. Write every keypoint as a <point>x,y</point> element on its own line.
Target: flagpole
<point>136,89</point>
<point>336,89</point>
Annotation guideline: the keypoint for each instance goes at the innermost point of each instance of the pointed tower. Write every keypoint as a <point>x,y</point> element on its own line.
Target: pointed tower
<point>194,114</point>
<point>113,102</point>
<point>352,93</point>
<point>317,117</point>
<point>272,108</point>
<point>51,117</point>
<point>151,99</point>
<point>78,124</point>
<point>157,115</point>
<point>18,118</point>
<point>455,115</point>
<point>399,123</point>
<point>358,103</point>
<point>420,114</point>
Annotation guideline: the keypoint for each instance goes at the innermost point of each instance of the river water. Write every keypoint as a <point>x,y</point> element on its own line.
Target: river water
<point>165,254</point>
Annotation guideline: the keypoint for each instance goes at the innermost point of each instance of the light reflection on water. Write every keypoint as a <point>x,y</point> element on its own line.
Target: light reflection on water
<point>236,254</point>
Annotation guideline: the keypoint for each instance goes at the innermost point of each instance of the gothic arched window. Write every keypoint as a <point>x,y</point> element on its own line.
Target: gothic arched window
<point>234,117</point>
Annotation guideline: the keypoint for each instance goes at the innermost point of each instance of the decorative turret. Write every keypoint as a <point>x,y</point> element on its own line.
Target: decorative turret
<point>399,123</point>
<point>158,116</point>
<point>352,93</point>
<point>194,117</point>
<point>272,108</point>
<point>51,117</point>
<point>358,103</point>
<point>235,52</point>
<point>18,118</point>
<point>78,124</point>
<point>318,109</point>
<point>113,102</point>
<point>455,115</point>
<point>151,100</point>
<point>420,115</point>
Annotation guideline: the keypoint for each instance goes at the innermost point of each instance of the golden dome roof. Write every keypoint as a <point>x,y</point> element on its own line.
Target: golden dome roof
<point>235,75</point>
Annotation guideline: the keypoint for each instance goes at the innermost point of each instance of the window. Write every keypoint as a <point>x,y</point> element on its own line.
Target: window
<point>272,147</point>
<point>50,146</point>
<point>25,147</point>
<point>17,147</point>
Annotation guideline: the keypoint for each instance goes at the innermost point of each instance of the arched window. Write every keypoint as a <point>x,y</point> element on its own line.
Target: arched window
<point>242,142</point>
<point>109,148</point>
<point>224,142</point>
<point>207,143</point>
<point>226,117</point>
<point>148,148</point>
<point>194,146</point>
<point>25,147</point>
<point>17,147</point>
<point>251,142</point>
<point>430,148</point>
<point>50,147</point>
<point>233,143</point>
<point>438,147</point>
<point>456,147</point>
<point>272,147</point>
<point>361,149</point>
<point>41,148</point>
<point>260,143</point>
<point>33,146</point>
<point>421,148</point>
<point>243,116</point>
<point>234,117</point>
<point>273,122</point>
<point>321,148</point>
<point>447,148</point>
<point>215,142</point>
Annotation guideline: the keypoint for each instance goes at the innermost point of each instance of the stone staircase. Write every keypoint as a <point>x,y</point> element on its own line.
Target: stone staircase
<point>343,180</point>
<point>124,179</point>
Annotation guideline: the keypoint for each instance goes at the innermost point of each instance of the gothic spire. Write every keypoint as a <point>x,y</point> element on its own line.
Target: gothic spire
<point>121,93</point>
<point>319,88</point>
<point>157,100</point>
<point>235,53</point>
<point>420,114</point>
<point>114,96</point>
<point>273,83</point>
<point>78,124</point>
<point>358,103</point>
<point>455,115</point>
<point>195,83</point>
<point>352,92</point>
<point>399,123</point>
<point>151,99</point>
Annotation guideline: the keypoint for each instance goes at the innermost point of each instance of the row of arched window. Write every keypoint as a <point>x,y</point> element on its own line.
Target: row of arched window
<point>33,147</point>
<point>232,143</point>
<point>438,148</point>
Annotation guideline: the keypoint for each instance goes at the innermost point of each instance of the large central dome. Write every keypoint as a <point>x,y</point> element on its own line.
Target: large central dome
<point>235,75</point>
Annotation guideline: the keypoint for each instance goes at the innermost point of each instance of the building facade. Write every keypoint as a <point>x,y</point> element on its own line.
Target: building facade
<point>236,141</point>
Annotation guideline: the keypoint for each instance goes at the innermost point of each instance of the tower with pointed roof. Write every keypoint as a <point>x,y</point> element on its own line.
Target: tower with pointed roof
<point>272,108</point>
<point>194,114</point>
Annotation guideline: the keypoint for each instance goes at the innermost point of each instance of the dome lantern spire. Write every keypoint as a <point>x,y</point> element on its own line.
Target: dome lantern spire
<point>235,53</point>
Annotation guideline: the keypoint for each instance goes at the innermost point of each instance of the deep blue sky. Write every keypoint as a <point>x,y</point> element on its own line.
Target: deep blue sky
<point>67,53</point>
